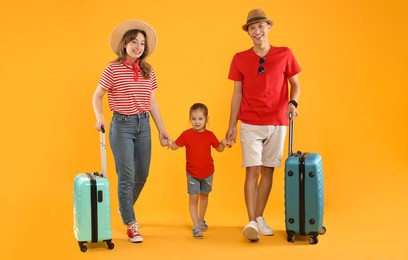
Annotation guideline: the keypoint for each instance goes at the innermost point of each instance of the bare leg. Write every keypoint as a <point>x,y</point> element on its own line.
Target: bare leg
<point>264,189</point>
<point>193,206</point>
<point>251,191</point>
<point>203,205</point>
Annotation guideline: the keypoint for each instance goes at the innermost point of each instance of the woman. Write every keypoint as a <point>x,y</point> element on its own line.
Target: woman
<point>129,81</point>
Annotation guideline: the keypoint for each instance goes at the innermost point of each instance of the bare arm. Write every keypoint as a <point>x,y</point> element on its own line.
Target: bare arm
<point>222,145</point>
<point>231,134</point>
<point>294,95</point>
<point>97,106</point>
<point>155,112</point>
<point>174,146</point>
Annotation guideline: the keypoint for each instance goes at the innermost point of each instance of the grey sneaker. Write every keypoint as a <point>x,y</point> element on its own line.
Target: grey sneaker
<point>263,228</point>
<point>251,231</point>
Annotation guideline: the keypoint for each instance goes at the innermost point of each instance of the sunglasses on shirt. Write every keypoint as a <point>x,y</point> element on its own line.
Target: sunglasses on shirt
<point>261,68</point>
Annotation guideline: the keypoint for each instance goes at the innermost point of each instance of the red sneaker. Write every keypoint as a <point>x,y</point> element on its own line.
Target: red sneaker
<point>133,234</point>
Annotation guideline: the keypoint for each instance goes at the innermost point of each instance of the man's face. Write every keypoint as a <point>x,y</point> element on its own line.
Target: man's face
<point>259,31</point>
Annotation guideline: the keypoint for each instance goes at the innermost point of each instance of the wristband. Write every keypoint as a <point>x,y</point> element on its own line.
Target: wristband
<point>293,102</point>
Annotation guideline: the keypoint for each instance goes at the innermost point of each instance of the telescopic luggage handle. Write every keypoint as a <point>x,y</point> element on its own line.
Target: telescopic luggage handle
<point>103,152</point>
<point>291,125</point>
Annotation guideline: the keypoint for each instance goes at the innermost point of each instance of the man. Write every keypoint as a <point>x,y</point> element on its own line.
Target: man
<point>261,102</point>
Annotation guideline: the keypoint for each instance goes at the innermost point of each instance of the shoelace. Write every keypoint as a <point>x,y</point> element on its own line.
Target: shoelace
<point>135,230</point>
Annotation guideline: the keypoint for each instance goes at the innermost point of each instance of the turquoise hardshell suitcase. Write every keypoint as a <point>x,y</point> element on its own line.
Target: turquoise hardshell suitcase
<point>304,194</point>
<point>92,221</point>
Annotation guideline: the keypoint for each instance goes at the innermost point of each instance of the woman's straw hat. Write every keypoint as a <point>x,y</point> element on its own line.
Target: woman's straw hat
<point>121,29</point>
<point>256,16</point>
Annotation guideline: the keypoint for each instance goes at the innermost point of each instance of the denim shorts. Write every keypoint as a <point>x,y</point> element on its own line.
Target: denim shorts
<point>196,186</point>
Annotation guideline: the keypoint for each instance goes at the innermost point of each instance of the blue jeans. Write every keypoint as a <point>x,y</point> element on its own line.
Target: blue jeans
<point>130,141</point>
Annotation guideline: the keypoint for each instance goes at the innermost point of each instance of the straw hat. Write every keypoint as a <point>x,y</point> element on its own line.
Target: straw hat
<point>256,16</point>
<point>121,29</point>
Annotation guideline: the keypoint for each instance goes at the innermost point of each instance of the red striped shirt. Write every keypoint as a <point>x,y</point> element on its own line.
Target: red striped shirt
<point>125,95</point>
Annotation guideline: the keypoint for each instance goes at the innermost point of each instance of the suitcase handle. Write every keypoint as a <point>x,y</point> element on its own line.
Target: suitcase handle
<point>103,152</point>
<point>290,142</point>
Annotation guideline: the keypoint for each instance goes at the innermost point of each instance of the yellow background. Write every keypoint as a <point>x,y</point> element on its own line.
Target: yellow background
<point>353,111</point>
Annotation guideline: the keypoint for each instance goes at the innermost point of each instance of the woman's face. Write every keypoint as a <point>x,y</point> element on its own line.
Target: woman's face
<point>259,32</point>
<point>198,120</point>
<point>136,47</point>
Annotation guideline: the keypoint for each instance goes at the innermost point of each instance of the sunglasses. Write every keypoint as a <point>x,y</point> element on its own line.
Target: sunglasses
<point>261,68</point>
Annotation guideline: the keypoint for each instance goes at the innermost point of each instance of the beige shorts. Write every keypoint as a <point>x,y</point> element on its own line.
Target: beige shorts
<point>262,145</point>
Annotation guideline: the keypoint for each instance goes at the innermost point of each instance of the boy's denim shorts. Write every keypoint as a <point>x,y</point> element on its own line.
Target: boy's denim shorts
<point>196,186</point>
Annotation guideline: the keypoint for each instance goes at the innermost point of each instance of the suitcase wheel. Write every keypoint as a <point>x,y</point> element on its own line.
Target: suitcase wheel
<point>313,240</point>
<point>82,247</point>
<point>110,245</point>
<point>291,238</point>
<point>323,231</point>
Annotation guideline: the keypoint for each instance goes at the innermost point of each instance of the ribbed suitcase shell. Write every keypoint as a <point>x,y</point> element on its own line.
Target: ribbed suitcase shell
<point>89,227</point>
<point>304,219</point>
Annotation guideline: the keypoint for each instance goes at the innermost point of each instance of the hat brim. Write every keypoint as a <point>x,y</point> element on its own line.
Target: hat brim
<point>121,29</point>
<point>245,26</point>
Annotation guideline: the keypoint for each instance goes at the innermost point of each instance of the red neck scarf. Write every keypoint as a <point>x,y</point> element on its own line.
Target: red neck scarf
<point>134,66</point>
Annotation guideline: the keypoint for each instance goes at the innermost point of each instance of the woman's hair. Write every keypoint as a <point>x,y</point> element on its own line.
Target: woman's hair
<point>200,106</point>
<point>128,37</point>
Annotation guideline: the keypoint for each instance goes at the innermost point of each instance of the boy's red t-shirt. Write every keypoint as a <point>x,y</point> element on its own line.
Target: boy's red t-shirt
<point>199,162</point>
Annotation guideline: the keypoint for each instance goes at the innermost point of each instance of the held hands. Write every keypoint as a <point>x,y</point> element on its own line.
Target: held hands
<point>173,145</point>
<point>165,139</point>
<point>230,137</point>
<point>227,143</point>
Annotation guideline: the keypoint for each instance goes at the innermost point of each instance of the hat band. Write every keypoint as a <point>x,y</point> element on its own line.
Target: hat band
<point>256,19</point>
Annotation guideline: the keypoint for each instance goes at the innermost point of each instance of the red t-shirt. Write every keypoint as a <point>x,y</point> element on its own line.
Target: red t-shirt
<point>125,95</point>
<point>199,162</point>
<point>264,96</point>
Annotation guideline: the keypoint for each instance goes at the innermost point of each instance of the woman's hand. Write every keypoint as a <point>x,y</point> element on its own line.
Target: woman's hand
<point>164,139</point>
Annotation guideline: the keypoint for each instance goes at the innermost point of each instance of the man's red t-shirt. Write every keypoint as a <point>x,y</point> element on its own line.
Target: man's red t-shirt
<point>264,96</point>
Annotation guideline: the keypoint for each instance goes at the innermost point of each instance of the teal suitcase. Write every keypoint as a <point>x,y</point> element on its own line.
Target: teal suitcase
<point>92,223</point>
<point>304,194</point>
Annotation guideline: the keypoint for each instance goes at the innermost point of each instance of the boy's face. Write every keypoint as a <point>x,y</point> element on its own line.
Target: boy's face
<point>198,120</point>
<point>259,32</point>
